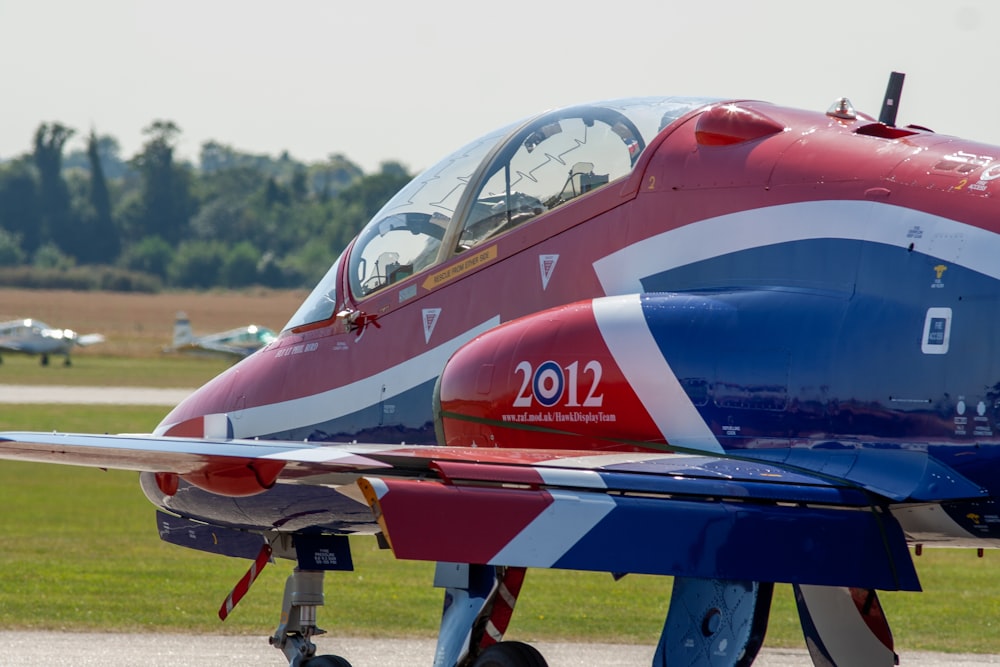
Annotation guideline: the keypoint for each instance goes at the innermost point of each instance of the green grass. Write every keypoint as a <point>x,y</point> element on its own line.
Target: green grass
<point>81,418</point>
<point>92,370</point>
<point>81,552</point>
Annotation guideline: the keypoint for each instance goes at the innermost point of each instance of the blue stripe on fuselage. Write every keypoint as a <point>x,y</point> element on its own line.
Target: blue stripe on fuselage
<point>405,417</point>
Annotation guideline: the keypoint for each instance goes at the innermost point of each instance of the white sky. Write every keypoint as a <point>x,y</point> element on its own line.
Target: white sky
<point>411,81</point>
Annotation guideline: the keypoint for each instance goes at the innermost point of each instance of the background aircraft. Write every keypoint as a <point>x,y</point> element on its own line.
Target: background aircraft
<point>234,343</point>
<point>721,340</point>
<point>29,336</point>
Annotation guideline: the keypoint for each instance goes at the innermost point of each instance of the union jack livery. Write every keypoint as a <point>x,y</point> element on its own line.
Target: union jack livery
<point>719,340</point>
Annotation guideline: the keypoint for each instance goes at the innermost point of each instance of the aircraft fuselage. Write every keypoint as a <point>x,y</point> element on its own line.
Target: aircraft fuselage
<point>811,284</point>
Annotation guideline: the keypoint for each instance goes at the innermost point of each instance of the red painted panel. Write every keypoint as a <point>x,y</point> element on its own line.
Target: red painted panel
<point>433,521</point>
<point>546,381</point>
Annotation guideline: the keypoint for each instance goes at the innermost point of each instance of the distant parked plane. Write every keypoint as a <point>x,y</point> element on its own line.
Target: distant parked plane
<point>235,343</point>
<point>30,336</point>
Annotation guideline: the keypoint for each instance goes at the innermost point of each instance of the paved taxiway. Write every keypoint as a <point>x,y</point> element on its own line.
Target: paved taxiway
<point>35,649</point>
<point>25,393</point>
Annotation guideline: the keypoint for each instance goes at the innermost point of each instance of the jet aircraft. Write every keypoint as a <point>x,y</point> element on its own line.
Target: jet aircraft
<point>233,344</point>
<point>28,336</point>
<point>718,339</point>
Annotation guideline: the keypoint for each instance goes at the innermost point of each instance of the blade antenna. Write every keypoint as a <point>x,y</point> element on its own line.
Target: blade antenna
<point>890,104</point>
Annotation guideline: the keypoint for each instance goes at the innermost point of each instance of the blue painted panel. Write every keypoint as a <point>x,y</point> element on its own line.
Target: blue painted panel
<point>729,478</point>
<point>828,264</point>
<point>828,547</point>
<point>776,490</point>
<point>894,473</point>
<point>409,421</point>
<point>853,319</point>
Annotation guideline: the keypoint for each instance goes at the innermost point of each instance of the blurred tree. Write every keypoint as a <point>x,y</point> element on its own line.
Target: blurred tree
<point>151,255</point>
<point>372,192</point>
<point>300,187</point>
<point>328,179</point>
<point>11,253</point>
<point>101,242</point>
<point>166,200</point>
<point>215,157</point>
<point>239,219</point>
<point>49,256</point>
<point>196,264</point>
<point>240,266</point>
<point>326,227</point>
<point>308,264</point>
<point>20,206</point>
<point>275,194</point>
<point>109,153</point>
<point>58,223</point>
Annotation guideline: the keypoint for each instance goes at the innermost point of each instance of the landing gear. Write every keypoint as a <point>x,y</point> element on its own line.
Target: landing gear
<point>714,623</point>
<point>845,626</point>
<point>303,594</point>
<point>511,654</point>
<point>479,603</point>
<point>327,661</point>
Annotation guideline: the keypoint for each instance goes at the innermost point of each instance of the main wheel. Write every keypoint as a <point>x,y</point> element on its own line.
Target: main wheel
<point>511,654</point>
<point>326,661</point>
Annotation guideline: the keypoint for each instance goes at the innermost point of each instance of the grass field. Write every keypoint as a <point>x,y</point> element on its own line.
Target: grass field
<point>81,551</point>
<point>137,327</point>
<point>167,371</point>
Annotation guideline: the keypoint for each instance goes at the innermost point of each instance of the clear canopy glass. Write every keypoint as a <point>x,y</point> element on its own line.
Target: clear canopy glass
<point>492,185</point>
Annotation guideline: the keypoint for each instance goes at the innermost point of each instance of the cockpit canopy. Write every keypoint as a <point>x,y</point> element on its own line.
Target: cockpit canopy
<point>494,184</point>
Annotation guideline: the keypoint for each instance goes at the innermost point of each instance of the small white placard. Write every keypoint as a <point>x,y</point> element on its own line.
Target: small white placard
<point>937,331</point>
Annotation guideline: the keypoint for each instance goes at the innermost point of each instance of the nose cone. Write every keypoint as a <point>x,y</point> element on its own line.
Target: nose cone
<point>193,417</point>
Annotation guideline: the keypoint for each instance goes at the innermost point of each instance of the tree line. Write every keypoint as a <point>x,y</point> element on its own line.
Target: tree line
<point>89,219</point>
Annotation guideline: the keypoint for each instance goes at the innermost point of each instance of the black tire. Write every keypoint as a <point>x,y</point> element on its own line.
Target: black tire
<point>326,661</point>
<point>511,654</point>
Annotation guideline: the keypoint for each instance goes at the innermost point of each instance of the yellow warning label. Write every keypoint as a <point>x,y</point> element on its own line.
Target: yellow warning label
<point>455,270</point>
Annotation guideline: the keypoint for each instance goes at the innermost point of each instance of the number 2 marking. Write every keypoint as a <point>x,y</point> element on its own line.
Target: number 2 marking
<point>523,399</point>
<point>549,375</point>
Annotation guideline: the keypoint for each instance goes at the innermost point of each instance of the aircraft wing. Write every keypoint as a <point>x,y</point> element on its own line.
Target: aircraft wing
<point>11,345</point>
<point>213,347</point>
<point>148,453</point>
<point>90,339</point>
<point>706,516</point>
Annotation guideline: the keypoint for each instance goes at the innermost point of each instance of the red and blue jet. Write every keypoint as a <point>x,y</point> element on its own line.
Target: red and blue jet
<point>722,340</point>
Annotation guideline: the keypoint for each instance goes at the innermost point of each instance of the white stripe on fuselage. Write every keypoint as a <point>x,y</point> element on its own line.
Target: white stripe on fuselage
<point>975,248</point>
<point>350,398</point>
<point>623,326</point>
